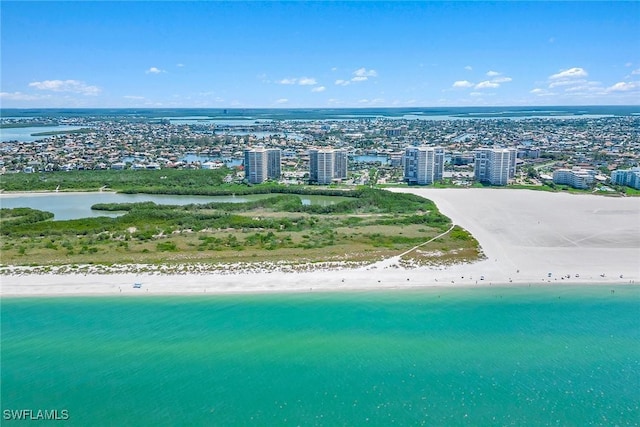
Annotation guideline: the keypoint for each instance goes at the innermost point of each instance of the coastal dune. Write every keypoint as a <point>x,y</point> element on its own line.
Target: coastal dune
<point>528,238</point>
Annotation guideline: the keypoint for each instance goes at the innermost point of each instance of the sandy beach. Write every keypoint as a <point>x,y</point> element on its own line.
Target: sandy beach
<point>528,237</point>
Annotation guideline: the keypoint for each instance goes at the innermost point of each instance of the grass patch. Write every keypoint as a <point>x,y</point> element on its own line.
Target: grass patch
<point>362,225</point>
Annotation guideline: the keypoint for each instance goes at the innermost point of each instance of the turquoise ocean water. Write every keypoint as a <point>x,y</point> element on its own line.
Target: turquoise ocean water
<point>490,356</point>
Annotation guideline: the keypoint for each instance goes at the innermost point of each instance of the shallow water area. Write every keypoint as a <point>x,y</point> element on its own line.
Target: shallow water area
<point>542,355</point>
<point>75,205</point>
<point>33,133</point>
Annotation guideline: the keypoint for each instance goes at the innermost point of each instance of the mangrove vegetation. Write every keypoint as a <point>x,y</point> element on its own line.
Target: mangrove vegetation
<point>362,225</point>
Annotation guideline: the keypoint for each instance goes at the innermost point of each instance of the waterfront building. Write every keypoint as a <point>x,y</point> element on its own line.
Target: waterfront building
<point>576,177</point>
<point>261,164</point>
<point>340,161</point>
<point>528,153</point>
<point>423,165</point>
<point>395,159</point>
<point>495,166</point>
<point>461,159</point>
<point>628,177</point>
<point>274,162</point>
<point>211,165</point>
<point>326,165</point>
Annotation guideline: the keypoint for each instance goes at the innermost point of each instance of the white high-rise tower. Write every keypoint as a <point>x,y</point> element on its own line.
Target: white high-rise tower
<point>423,165</point>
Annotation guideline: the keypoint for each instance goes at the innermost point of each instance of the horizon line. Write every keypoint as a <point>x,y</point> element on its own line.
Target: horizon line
<point>321,108</point>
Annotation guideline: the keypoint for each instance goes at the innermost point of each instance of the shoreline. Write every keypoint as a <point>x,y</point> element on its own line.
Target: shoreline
<point>381,276</point>
<point>52,192</point>
<point>528,238</point>
<point>121,285</point>
<point>393,188</point>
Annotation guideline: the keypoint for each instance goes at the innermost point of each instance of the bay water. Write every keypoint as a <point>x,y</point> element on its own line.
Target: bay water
<point>542,355</point>
<point>76,205</point>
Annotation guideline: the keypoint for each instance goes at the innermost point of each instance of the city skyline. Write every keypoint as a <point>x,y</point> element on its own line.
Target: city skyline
<point>318,54</point>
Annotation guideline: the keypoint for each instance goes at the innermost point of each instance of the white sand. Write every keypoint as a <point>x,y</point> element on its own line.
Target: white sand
<point>525,235</point>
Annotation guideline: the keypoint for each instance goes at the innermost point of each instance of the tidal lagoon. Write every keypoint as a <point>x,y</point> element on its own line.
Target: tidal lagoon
<point>541,355</point>
<point>76,205</point>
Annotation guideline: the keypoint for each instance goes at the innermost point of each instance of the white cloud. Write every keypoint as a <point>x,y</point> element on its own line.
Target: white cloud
<point>363,72</point>
<point>468,68</point>
<point>623,87</point>
<point>462,83</point>
<point>73,86</point>
<point>133,97</point>
<point>282,101</point>
<point>487,85</point>
<point>288,81</point>
<point>374,101</point>
<point>541,92</point>
<point>359,75</point>
<point>180,65</point>
<point>307,81</point>
<point>574,82</point>
<point>588,87</point>
<point>571,73</point>
<point>19,96</point>
<point>302,81</point>
<point>636,72</point>
<point>560,83</point>
<point>362,75</point>
<point>318,89</point>
<point>476,94</point>
<point>154,70</point>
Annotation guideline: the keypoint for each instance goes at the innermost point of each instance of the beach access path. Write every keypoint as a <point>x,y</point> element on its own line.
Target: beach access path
<point>528,237</point>
<point>539,232</point>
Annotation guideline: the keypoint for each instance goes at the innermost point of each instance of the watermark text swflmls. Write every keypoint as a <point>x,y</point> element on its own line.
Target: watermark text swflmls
<point>35,414</point>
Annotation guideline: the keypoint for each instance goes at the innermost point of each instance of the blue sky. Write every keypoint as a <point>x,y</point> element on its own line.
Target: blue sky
<point>318,54</point>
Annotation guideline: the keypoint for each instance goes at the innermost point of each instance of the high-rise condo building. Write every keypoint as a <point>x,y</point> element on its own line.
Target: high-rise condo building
<point>628,177</point>
<point>261,164</point>
<point>274,158</point>
<point>326,165</point>
<point>423,165</point>
<point>495,166</point>
<point>340,160</point>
